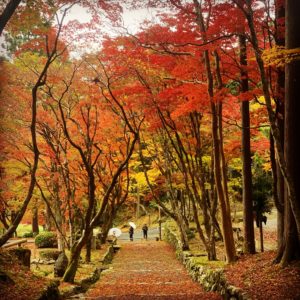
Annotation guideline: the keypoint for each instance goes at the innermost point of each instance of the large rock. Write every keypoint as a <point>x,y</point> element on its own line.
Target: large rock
<point>60,265</point>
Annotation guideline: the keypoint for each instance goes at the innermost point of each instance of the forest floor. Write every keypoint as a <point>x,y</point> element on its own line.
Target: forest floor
<point>29,284</point>
<point>147,270</point>
<point>261,279</point>
<point>257,274</point>
<point>17,281</point>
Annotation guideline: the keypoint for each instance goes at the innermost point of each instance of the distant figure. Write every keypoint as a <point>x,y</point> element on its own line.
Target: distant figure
<point>145,231</point>
<point>131,231</point>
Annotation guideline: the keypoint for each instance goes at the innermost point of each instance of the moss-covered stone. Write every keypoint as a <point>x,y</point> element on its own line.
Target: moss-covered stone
<point>60,265</point>
<point>22,254</point>
<point>209,274</point>
<point>51,292</point>
<point>49,254</point>
<point>108,256</point>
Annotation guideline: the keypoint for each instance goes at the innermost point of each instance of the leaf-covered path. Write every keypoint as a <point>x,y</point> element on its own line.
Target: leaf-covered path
<point>147,270</point>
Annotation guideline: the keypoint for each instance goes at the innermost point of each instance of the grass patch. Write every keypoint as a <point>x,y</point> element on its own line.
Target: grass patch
<point>24,228</point>
<point>202,260</point>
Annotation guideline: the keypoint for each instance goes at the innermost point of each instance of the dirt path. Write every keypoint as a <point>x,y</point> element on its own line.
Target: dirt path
<point>147,270</point>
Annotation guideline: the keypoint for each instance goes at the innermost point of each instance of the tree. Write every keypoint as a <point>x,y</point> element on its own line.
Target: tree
<point>291,146</point>
<point>278,180</point>
<point>249,241</point>
<point>86,145</point>
<point>290,184</point>
<point>53,52</point>
<point>8,12</point>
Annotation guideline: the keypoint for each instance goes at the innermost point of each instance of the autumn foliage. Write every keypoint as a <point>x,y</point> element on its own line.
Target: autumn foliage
<point>185,114</point>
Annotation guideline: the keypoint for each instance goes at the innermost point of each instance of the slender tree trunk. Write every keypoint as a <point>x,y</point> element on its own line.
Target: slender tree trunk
<point>261,235</point>
<point>280,91</point>
<point>183,236</point>
<point>225,214</point>
<point>71,270</point>
<point>88,246</point>
<point>48,225</point>
<point>226,218</point>
<point>12,228</point>
<point>35,221</point>
<point>249,240</point>
<point>278,195</point>
<point>57,216</point>
<point>137,203</point>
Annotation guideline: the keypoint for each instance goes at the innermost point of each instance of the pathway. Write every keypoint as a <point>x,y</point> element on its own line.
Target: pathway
<point>147,270</point>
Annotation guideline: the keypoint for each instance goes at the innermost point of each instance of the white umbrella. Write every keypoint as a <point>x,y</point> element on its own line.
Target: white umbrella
<point>115,232</point>
<point>132,225</point>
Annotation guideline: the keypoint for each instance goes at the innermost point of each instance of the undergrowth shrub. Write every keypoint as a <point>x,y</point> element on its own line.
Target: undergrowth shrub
<point>27,234</point>
<point>46,239</point>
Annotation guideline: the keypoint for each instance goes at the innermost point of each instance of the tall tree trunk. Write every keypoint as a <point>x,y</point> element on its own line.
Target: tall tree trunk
<point>48,225</point>
<point>279,96</point>
<point>225,214</point>
<point>292,23</point>
<point>249,240</point>
<point>226,218</point>
<point>291,146</point>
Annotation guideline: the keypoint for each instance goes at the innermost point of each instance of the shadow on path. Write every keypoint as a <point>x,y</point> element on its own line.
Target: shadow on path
<point>147,270</point>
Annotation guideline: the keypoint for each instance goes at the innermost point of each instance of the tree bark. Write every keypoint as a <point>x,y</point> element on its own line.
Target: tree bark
<point>218,175</point>
<point>294,34</point>
<point>34,99</point>
<point>8,12</point>
<point>261,234</point>
<point>279,90</point>
<point>35,221</point>
<point>291,146</point>
<point>249,240</point>
<point>71,270</point>
<point>88,246</point>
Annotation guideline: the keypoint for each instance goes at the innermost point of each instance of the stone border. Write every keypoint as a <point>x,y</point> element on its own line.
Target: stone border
<point>210,279</point>
<point>85,283</point>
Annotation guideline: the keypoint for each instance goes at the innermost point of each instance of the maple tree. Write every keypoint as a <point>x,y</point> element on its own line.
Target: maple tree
<point>163,115</point>
<point>52,52</point>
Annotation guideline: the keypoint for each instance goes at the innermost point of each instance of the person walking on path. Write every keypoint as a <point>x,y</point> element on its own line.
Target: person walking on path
<point>131,231</point>
<point>145,231</point>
